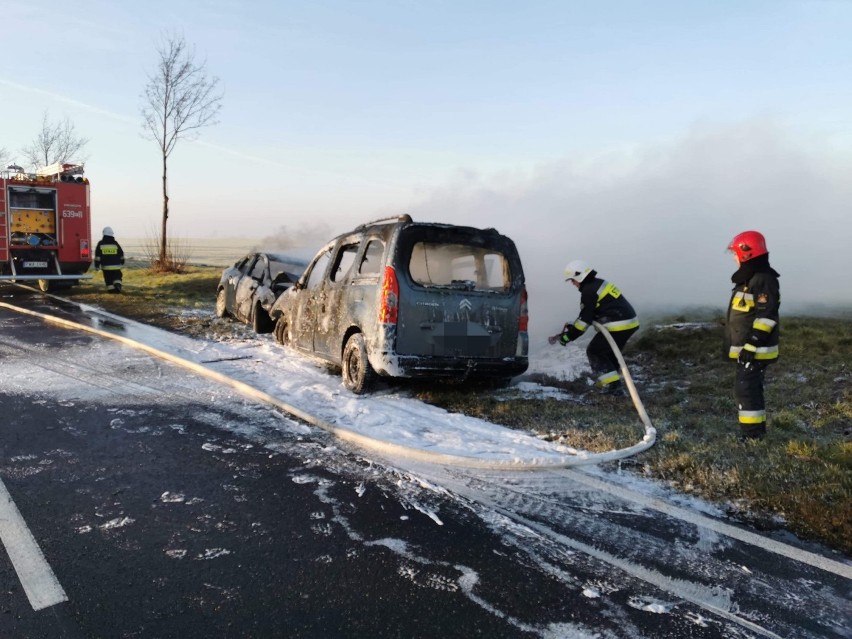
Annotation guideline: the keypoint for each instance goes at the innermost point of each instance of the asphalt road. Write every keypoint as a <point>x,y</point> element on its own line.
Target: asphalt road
<point>167,506</point>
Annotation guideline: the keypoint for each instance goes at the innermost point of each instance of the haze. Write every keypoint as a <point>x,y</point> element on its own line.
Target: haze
<point>638,136</point>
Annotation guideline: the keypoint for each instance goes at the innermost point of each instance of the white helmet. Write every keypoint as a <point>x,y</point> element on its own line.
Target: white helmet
<point>577,270</point>
<point>108,231</point>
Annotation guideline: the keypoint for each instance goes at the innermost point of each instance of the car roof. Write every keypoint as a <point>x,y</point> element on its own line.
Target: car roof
<point>284,258</point>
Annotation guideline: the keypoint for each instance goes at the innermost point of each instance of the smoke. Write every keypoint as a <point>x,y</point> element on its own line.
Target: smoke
<point>306,238</point>
<point>656,220</point>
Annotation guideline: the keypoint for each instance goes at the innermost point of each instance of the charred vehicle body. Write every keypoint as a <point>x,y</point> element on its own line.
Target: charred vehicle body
<point>399,298</point>
<point>248,289</point>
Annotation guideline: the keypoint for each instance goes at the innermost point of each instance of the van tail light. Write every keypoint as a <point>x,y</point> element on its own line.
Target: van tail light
<point>389,308</point>
<point>524,315</point>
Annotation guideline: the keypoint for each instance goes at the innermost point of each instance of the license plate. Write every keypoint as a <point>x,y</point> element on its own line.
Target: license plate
<point>35,264</point>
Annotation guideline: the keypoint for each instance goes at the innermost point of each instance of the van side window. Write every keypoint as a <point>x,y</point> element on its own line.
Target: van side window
<point>459,266</point>
<point>344,261</point>
<point>318,270</point>
<point>371,262</point>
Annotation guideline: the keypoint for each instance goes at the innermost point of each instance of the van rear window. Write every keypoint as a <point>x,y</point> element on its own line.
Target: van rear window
<point>459,266</point>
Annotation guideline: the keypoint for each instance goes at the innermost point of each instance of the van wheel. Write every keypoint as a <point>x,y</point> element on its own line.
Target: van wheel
<point>221,303</point>
<point>281,332</point>
<point>358,374</point>
<point>260,320</point>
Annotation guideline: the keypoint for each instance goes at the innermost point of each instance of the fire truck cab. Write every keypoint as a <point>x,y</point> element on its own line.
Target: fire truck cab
<point>45,226</point>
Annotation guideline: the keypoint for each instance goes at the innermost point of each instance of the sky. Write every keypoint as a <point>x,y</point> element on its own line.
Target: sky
<point>639,136</point>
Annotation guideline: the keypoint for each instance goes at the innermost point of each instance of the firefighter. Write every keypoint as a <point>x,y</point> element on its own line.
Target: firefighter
<point>602,302</point>
<point>109,256</point>
<point>751,330</point>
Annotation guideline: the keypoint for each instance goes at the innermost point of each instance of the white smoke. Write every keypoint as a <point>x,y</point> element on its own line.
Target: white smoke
<point>656,220</point>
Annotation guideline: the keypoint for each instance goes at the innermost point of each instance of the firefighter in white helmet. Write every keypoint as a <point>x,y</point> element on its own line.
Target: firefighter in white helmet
<point>602,302</point>
<point>109,257</point>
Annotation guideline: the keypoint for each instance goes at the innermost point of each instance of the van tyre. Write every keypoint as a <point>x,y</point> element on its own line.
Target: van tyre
<point>281,332</point>
<point>260,320</point>
<point>358,375</point>
<point>221,304</point>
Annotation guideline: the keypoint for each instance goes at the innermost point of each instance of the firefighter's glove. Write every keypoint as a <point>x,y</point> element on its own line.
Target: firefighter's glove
<point>562,338</point>
<point>747,355</point>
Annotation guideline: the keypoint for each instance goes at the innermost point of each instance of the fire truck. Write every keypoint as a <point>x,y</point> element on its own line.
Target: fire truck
<point>45,226</point>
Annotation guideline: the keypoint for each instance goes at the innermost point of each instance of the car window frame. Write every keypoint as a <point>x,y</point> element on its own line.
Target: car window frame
<point>306,278</point>
<point>260,261</point>
<point>365,245</point>
<point>339,252</point>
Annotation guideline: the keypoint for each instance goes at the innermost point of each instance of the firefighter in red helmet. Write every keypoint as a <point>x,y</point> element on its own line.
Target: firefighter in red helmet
<point>751,330</point>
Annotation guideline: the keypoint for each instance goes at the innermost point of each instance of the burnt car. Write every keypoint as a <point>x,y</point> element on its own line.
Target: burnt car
<point>248,289</point>
<point>399,298</point>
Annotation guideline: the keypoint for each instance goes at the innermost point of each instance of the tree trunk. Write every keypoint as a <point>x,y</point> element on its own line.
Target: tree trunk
<point>163,231</point>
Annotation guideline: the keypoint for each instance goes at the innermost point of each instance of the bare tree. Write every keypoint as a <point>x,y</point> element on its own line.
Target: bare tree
<point>179,99</point>
<point>4,157</point>
<point>56,142</point>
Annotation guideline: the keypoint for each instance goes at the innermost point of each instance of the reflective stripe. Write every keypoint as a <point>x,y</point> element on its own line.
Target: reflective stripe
<point>742,301</point>
<point>580,325</point>
<point>752,416</point>
<point>608,289</point>
<point>608,378</point>
<point>109,249</point>
<point>622,325</point>
<point>761,352</point>
<point>111,268</point>
<point>764,324</point>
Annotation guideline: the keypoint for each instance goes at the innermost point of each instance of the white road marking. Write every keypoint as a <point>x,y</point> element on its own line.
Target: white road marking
<point>39,582</point>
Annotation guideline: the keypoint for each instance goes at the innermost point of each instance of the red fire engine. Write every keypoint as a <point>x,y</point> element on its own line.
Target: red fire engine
<point>45,226</point>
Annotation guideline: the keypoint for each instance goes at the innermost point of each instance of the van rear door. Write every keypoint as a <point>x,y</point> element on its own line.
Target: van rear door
<point>460,292</point>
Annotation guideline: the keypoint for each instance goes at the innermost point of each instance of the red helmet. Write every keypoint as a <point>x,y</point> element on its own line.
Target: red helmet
<point>748,245</point>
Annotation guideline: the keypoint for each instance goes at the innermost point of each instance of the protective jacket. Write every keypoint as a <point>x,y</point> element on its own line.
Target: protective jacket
<point>604,303</point>
<point>753,311</point>
<point>108,254</point>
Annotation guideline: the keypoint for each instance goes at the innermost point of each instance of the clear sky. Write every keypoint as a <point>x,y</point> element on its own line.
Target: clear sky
<point>639,135</point>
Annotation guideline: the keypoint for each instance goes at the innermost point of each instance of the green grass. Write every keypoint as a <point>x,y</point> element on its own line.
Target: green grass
<point>163,299</point>
<point>799,477</point>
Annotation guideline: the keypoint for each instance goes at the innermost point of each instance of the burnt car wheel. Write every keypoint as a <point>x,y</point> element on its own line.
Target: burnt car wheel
<point>281,335</point>
<point>221,304</point>
<point>358,374</point>
<point>260,320</point>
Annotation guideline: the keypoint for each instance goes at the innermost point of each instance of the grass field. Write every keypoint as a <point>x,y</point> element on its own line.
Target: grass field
<point>798,478</point>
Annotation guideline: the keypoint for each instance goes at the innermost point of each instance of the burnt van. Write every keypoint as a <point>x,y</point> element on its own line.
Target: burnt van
<point>399,298</point>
